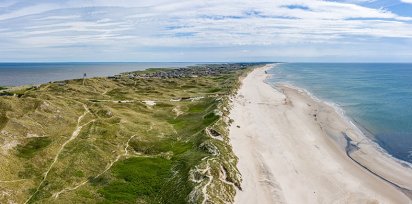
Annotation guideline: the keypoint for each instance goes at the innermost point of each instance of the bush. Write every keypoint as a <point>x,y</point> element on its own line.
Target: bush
<point>32,147</point>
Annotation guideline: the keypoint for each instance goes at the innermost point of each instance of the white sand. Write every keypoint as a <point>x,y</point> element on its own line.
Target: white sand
<point>150,103</point>
<point>287,155</point>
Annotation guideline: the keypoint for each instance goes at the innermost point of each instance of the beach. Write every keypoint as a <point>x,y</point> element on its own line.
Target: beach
<point>295,149</point>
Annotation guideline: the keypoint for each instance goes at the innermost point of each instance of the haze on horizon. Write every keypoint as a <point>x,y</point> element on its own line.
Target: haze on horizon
<point>213,30</point>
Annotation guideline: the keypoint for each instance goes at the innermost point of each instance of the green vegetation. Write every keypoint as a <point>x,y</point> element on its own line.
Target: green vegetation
<point>152,70</point>
<point>33,146</point>
<point>3,120</point>
<point>101,142</point>
<point>138,179</point>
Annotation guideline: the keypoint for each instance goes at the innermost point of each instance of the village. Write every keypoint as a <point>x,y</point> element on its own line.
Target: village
<point>191,71</point>
<point>200,70</point>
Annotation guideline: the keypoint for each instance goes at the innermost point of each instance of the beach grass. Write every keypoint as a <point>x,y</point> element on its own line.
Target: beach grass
<point>99,142</point>
<point>32,147</point>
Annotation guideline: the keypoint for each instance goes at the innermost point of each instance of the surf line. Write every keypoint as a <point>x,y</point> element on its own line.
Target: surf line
<point>350,148</point>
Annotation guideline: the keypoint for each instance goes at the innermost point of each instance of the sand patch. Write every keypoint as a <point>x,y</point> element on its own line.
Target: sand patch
<point>149,103</point>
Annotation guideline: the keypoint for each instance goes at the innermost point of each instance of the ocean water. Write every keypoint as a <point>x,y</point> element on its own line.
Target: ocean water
<point>378,97</point>
<point>16,74</point>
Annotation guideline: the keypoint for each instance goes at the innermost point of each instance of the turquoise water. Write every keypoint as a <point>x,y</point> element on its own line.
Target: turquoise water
<point>377,97</point>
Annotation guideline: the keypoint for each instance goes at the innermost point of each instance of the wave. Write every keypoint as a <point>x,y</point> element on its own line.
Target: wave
<point>366,135</point>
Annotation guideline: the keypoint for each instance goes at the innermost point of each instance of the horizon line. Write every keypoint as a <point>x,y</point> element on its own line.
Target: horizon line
<point>324,62</point>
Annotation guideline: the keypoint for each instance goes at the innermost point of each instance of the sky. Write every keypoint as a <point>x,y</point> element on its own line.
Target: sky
<point>206,30</point>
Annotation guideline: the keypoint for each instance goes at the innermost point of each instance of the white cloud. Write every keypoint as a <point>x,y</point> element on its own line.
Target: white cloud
<point>186,23</point>
<point>29,10</point>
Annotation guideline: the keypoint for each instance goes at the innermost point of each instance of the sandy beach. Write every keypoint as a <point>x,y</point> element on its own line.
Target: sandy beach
<point>294,149</point>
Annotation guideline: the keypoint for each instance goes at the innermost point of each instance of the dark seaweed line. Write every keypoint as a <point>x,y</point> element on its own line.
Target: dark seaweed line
<point>351,147</point>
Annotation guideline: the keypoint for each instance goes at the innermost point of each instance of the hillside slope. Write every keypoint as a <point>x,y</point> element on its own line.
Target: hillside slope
<point>123,140</point>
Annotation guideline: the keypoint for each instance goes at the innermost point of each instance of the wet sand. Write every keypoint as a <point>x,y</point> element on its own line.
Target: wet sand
<point>294,149</point>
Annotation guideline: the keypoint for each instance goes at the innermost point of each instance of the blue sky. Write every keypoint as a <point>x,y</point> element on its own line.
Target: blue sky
<point>206,30</point>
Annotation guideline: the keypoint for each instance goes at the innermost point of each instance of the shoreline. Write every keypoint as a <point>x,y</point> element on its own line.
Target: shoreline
<point>62,71</point>
<point>288,138</point>
<point>368,150</point>
<point>170,128</point>
<point>362,131</point>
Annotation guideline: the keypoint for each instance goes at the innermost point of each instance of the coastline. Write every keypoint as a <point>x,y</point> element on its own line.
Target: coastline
<point>360,130</point>
<point>292,149</point>
<point>36,73</point>
<point>136,127</point>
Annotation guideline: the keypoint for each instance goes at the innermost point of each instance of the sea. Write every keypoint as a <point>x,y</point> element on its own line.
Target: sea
<point>375,96</point>
<point>17,74</point>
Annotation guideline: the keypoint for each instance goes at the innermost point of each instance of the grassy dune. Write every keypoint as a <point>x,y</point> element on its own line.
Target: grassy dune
<point>100,142</point>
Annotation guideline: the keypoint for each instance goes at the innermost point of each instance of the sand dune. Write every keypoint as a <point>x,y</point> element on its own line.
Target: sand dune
<point>292,149</point>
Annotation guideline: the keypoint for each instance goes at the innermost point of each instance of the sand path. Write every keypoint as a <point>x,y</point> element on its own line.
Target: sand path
<point>75,133</point>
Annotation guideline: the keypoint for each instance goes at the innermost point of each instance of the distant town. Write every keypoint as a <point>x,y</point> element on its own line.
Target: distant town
<point>162,73</point>
<point>191,71</point>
